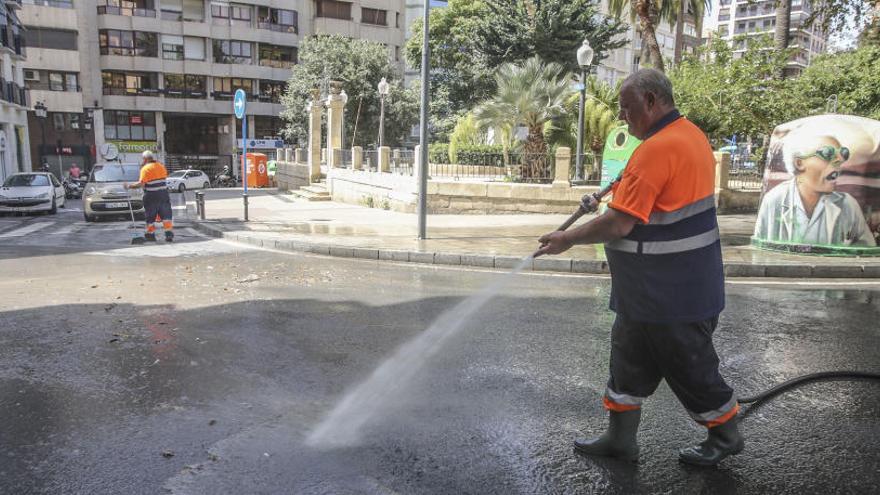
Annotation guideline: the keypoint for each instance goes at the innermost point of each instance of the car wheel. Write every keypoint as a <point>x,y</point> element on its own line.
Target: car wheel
<point>181,188</point>
<point>89,218</point>
<point>206,185</point>
<point>54,208</point>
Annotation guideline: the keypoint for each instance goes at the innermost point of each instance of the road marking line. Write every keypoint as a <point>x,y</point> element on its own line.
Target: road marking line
<point>70,229</point>
<point>27,229</point>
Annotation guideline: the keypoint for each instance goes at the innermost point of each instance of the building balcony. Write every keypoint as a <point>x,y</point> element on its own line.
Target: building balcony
<point>11,92</point>
<point>125,11</point>
<point>131,92</point>
<point>58,101</point>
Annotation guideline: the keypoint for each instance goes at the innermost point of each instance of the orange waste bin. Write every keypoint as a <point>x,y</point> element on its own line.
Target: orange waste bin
<point>257,170</point>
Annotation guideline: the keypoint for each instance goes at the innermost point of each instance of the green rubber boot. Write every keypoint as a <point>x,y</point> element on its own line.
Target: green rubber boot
<point>618,441</point>
<point>723,440</point>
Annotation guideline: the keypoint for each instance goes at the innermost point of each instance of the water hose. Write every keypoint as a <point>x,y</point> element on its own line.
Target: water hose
<point>800,380</point>
<point>590,203</point>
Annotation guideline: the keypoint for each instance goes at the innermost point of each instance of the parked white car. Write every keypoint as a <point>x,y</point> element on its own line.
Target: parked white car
<point>187,179</point>
<point>31,192</point>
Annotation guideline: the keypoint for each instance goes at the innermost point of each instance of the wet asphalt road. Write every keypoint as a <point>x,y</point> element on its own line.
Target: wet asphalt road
<point>223,358</point>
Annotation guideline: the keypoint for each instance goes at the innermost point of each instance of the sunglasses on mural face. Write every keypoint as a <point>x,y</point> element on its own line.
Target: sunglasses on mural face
<point>828,153</point>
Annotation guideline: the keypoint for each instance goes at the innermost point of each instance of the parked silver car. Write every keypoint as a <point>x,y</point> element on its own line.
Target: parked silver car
<point>105,195</point>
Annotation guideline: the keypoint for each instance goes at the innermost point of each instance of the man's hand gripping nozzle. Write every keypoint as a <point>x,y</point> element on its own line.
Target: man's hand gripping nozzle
<point>589,204</point>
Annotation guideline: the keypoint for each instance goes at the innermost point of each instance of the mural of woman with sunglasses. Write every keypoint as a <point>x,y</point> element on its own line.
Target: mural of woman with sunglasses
<point>806,209</point>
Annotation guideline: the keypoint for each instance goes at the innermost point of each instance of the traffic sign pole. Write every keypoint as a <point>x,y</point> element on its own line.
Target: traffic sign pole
<point>239,105</point>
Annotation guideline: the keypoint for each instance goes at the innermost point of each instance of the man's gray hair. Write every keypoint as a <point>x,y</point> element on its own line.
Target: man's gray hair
<point>652,81</point>
<point>799,142</point>
<point>148,155</point>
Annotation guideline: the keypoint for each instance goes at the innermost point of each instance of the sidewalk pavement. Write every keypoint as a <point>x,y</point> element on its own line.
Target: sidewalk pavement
<point>280,221</point>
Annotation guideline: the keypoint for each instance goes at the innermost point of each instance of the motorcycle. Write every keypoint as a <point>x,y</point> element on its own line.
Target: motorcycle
<point>73,189</point>
<point>224,179</point>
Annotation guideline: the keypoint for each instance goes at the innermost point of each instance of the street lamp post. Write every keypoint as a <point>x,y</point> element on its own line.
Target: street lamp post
<point>40,112</point>
<point>584,58</point>
<point>344,97</point>
<point>423,125</point>
<point>384,89</point>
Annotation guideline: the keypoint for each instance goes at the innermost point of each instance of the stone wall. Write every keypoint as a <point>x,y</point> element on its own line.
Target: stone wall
<point>503,197</point>
<point>374,189</point>
<point>289,176</point>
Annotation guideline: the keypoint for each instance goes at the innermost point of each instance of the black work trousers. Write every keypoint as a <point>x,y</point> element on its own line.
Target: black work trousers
<point>682,353</point>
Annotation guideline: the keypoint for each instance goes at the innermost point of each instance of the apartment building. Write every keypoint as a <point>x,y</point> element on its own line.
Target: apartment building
<point>161,74</point>
<point>736,18</point>
<point>14,139</point>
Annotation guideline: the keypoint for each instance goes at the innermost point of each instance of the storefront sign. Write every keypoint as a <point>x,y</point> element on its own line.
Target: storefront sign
<point>263,144</point>
<point>135,146</point>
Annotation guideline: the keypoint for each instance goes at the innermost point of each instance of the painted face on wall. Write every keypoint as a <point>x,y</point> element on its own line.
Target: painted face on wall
<point>818,169</point>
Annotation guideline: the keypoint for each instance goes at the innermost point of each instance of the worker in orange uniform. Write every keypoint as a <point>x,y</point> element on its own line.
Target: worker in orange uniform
<point>157,202</point>
<point>667,280</point>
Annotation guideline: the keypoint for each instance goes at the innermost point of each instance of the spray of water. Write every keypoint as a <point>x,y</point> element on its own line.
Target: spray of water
<point>361,404</point>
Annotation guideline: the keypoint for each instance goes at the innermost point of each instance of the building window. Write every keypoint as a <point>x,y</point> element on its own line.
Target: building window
<point>397,19</point>
<point>172,47</point>
<point>271,91</point>
<point>225,87</point>
<point>374,16</point>
<point>183,10</point>
<point>58,121</point>
<point>285,21</point>
<point>131,8</point>
<point>232,52</point>
<point>125,125</point>
<point>56,39</point>
<point>129,43</point>
<point>396,53</point>
<point>130,83</point>
<point>280,57</point>
<point>193,48</point>
<point>333,9</point>
<point>186,86</point>
<point>59,4</point>
<point>56,81</point>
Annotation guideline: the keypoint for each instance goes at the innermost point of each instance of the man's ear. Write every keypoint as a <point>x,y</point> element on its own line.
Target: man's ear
<point>650,99</point>
<point>798,164</point>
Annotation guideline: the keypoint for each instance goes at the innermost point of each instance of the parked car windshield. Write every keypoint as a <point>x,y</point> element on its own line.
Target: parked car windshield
<point>25,180</point>
<point>116,173</point>
<point>179,173</point>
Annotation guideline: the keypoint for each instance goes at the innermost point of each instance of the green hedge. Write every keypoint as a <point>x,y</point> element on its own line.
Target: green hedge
<point>487,154</point>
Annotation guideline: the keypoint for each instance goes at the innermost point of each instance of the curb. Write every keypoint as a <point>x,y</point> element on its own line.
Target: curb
<point>558,265</point>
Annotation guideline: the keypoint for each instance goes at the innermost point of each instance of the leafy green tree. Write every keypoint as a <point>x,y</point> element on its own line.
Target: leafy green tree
<point>728,96</point>
<point>600,117</point>
<point>853,76</point>
<point>530,94</point>
<point>460,74</point>
<point>471,38</point>
<point>359,64</point>
<point>553,30</point>
<point>467,133</point>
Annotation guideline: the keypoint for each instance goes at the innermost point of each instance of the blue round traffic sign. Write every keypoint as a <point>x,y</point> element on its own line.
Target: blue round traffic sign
<point>239,103</point>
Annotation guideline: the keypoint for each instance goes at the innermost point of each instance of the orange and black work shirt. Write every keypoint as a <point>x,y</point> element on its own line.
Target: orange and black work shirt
<point>153,177</point>
<point>668,269</point>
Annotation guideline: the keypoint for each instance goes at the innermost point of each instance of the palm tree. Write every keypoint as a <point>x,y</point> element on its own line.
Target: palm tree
<point>530,95</point>
<point>649,14</point>
<point>600,118</point>
<point>783,24</point>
